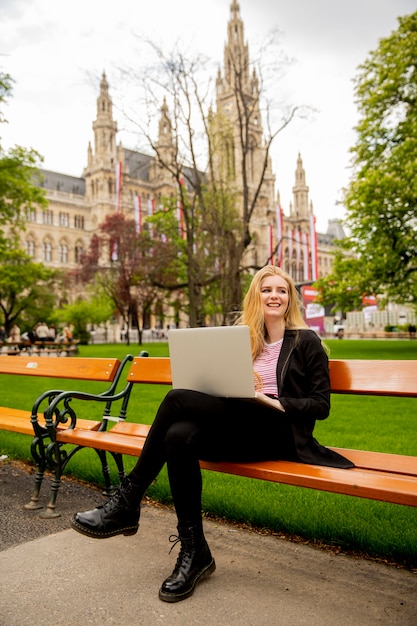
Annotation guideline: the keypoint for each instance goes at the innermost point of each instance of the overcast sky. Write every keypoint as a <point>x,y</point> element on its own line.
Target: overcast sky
<point>53,48</point>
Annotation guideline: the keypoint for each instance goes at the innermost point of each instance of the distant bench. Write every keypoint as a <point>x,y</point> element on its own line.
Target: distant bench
<point>39,348</point>
<point>376,475</point>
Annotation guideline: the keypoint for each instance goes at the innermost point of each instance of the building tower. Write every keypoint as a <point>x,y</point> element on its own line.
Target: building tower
<point>242,158</point>
<point>101,171</point>
<point>300,209</point>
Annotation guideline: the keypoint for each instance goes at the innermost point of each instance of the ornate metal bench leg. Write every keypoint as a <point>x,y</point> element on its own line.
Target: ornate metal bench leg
<point>57,460</point>
<point>34,499</point>
<point>50,511</point>
<point>109,489</point>
<point>118,458</point>
<point>38,455</point>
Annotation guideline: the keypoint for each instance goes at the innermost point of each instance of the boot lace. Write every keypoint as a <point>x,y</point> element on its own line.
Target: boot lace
<point>119,499</point>
<point>174,539</point>
<point>185,553</point>
<point>115,502</point>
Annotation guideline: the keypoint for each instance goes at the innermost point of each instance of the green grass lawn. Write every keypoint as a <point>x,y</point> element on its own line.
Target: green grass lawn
<point>385,424</point>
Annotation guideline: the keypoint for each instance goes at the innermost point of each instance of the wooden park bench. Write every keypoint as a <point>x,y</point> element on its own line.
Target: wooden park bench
<point>376,475</point>
<point>33,422</point>
<point>55,348</point>
<point>39,348</point>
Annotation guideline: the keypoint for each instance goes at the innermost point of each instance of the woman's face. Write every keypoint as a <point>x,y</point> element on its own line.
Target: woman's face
<point>275,297</point>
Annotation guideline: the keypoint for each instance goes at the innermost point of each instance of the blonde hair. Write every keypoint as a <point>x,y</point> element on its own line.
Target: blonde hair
<point>253,314</point>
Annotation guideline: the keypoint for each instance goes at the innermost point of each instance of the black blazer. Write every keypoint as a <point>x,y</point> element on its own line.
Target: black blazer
<point>304,391</point>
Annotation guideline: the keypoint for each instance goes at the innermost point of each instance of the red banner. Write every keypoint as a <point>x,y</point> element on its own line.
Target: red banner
<point>313,311</point>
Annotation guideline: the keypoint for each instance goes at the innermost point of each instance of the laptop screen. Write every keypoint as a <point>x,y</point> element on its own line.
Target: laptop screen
<point>215,360</point>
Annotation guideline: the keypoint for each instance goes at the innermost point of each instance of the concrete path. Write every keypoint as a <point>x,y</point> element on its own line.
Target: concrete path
<point>63,578</point>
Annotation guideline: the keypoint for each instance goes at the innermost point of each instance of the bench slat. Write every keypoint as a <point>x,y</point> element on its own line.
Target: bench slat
<point>18,421</point>
<point>15,420</point>
<point>383,486</point>
<point>105,440</point>
<point>389,378</point>
<point>381,461</point>
<point>353,482</point>
<point>364,459</point>
<point>77,368</point>
<point>154,370</point>
<point>131,428</point>
<point>350,376</point>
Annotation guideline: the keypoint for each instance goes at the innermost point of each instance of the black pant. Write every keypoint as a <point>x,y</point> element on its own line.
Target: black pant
<point>190,426</point>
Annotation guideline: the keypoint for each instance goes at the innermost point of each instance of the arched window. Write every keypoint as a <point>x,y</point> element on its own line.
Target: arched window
<point>47,217</point>
<point>30,248</point>
<point>78,252</point>
<point>31,215</point>
<point>79,222</point>
<point>47,251</point>
<point>63,253</point>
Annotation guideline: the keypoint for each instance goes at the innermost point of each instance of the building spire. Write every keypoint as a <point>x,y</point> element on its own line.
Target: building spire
<point>239,82</point>
<point>165,144</point>
<point>235,9</point>
<point>104,103</point>
<point>300,192</point>
<point>236,52</point>
<point>165,126</point>
<point>105,128</point>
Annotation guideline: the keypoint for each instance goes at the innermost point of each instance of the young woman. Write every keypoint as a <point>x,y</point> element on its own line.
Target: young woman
<point>290,365</point>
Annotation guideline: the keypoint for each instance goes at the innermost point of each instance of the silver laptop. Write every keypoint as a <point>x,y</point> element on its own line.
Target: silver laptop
<point>215,360</point>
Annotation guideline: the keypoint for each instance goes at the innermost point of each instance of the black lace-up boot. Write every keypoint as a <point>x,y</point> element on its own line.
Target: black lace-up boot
<point>194,563</point>
<point>118,516</point>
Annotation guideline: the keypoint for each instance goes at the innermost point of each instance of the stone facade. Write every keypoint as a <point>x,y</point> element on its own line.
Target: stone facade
<point>59,234</point>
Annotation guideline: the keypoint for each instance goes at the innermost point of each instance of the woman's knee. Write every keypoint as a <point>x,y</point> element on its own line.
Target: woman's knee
<point>181,437</point>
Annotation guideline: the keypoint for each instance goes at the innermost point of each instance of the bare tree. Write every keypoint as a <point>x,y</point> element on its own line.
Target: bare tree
<point>211,144</point>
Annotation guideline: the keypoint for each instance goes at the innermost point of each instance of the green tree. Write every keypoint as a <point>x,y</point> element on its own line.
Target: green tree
<point>18,177</point>
<point>83,312</point>
<point>210,221</point>
<point>338,290</point>
<point>6,83</point>
<point>381,200</point>
<point>26,289</point>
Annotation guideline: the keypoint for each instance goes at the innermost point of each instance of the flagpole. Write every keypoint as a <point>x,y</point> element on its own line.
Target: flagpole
<point>119,169</point>
<point>313,243</point>
<point>279,219</point>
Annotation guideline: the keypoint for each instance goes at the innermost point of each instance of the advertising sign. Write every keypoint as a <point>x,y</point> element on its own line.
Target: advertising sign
<point>313,312</point>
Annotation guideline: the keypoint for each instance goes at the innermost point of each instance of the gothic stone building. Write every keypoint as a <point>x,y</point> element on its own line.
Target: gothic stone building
<point>58,235</point>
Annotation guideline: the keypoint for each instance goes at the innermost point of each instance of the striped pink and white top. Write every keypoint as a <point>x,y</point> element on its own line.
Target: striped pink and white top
<point>265,369</point>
